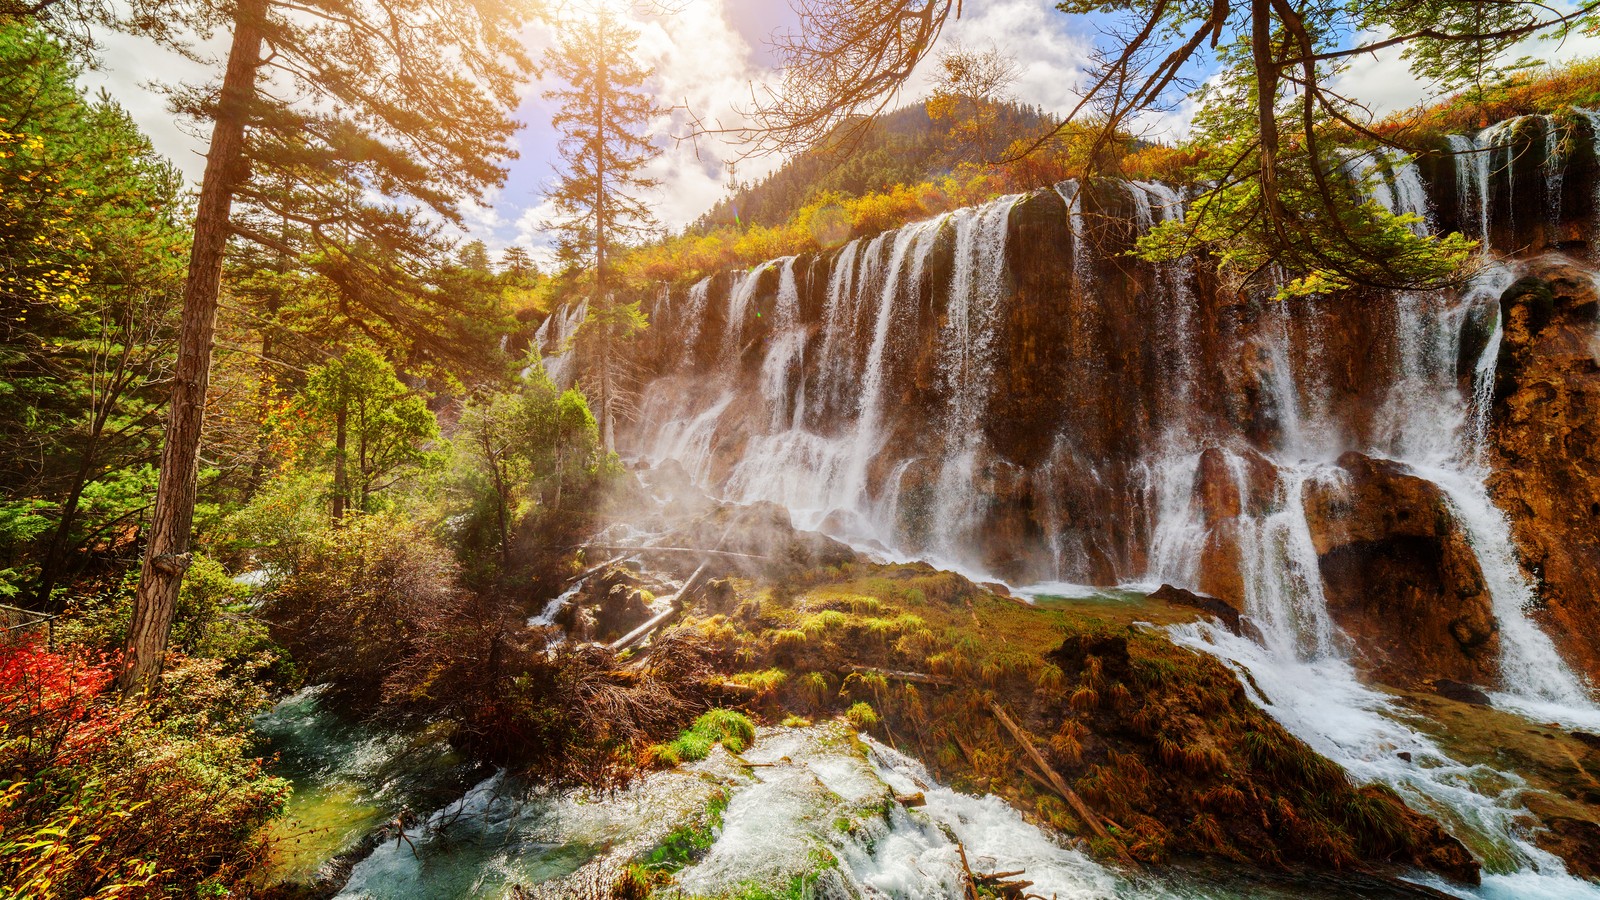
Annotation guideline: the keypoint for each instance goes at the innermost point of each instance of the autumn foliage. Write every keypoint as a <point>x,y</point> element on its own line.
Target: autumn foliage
<point>160,798</point>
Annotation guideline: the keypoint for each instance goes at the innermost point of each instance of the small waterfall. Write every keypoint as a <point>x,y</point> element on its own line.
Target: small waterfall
<point>783,369</point>
<point>553,338</point>
<point>867,441</point>
<point>967,360</point>
<point>1072,196</point>
<point>1555,169</point>
<point>1364,168</point>
<point>692,317</point>
<point>1475,163</point>
<point>1411,195</point>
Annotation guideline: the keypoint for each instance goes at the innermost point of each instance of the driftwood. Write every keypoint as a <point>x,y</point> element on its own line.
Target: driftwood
<point>673,609</point>
<point>918,677</point>
<point>1060,784</point>
<point>697,551</point>
<point>994,882</point>
<point>593,569</point>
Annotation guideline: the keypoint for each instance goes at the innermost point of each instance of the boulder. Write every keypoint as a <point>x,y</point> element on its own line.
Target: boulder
<point>1460,692</point>
<point>765,536</point>
<point>1176,596</point>
<point>1400,576</point>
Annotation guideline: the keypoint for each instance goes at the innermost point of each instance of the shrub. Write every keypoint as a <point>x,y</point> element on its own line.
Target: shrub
<point>861,716</point>
<point>158,798</point>
<point>352,608</point>
<point>730,728</point>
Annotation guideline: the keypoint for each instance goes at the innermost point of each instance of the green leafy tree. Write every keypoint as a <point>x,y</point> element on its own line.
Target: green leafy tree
<point>366,123</point>
<point>601,114</point>
<point>89,219</point>
<point>374,430</point>
<point>529,443</point>
<point>606,368</point>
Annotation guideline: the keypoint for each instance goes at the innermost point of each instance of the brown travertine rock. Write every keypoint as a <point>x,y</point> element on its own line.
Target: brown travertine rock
<point>1175,596</point>
<point>1399,575</point>
<point>1546,448</point>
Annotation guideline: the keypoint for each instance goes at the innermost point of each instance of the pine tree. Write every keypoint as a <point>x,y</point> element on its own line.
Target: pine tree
<point>93,244</point>
<point>602,114</point>
<point>517,265</point>
<point>320,106</point>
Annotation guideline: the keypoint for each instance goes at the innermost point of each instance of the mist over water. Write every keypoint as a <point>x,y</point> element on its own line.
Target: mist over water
<point>931,312</point>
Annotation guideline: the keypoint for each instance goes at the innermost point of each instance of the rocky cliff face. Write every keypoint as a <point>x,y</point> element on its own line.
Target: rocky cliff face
<point>1003,389</point>
<point>1546,443</point>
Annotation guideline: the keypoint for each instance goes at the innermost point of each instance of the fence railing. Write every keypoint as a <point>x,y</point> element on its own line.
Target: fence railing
<point>17,623</point>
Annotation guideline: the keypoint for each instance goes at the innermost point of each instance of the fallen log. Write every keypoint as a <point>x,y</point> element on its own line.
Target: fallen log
<point>593,569</point>
<point>1060,784</point>
<point>891,675</point>
<point>635,551</point>
<point>661,618</point>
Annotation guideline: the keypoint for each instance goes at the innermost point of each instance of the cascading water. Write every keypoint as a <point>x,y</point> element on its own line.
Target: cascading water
<point>877,421</point>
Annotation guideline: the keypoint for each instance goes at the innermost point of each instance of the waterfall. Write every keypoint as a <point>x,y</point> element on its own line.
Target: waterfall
<point>783,365</point>
<point>552,340</point>
<point>1411,195</point>
<point>692,316</point>
<point>968,360</point>
<point>1555,169</point>
<point>738,310</point>
<point>884,421</point>
<point>1474,164</point>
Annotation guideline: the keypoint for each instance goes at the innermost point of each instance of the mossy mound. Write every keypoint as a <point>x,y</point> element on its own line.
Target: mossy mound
<point>1162,743</point>
<point>1165,742</point>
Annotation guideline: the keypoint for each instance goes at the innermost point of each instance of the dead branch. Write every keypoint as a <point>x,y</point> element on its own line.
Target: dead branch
<point>661,618</point>
<point>917,677</point>
<point>1060,784</point>
<point>634,551</point>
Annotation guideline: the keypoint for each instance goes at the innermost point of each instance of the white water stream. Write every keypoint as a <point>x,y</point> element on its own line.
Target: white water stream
<point>823,455</point>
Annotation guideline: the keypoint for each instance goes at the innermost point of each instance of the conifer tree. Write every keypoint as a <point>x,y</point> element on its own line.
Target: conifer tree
<point>364,123</point>
<point>602,115</point>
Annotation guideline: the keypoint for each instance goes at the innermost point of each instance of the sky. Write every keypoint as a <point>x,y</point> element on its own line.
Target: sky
<point>708,56</point>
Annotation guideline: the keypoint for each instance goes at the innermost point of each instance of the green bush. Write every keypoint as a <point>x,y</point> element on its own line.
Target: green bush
<point>861,716</point>
<point>730,728</point>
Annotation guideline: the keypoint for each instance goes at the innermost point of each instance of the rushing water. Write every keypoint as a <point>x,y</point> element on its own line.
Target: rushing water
<point>829,456</point>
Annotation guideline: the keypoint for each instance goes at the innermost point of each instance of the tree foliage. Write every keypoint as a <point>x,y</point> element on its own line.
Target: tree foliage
<point>1287,130</point>
<point>601,115</point>
<point>367,426</point>
<point>602,112</point>
<point>93,250</point>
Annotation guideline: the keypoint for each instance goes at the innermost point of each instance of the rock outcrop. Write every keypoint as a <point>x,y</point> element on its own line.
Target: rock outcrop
<point>1546,446</point>
<point>1399,575</point>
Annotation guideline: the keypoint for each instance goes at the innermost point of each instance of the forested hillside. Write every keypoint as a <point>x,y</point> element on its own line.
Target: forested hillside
<point>907,146</point>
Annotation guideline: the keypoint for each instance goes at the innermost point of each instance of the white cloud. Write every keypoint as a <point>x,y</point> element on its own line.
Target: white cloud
<point>132,70</point>
<point>1383,80</point>
<point>1044,41</point>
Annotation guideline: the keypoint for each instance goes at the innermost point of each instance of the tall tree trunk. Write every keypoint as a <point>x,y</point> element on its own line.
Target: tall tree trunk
<point>166,554</point>
<point>258,466</point>
<point>56,554</point>
<point>561,465</point>
<point>341,460</point>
